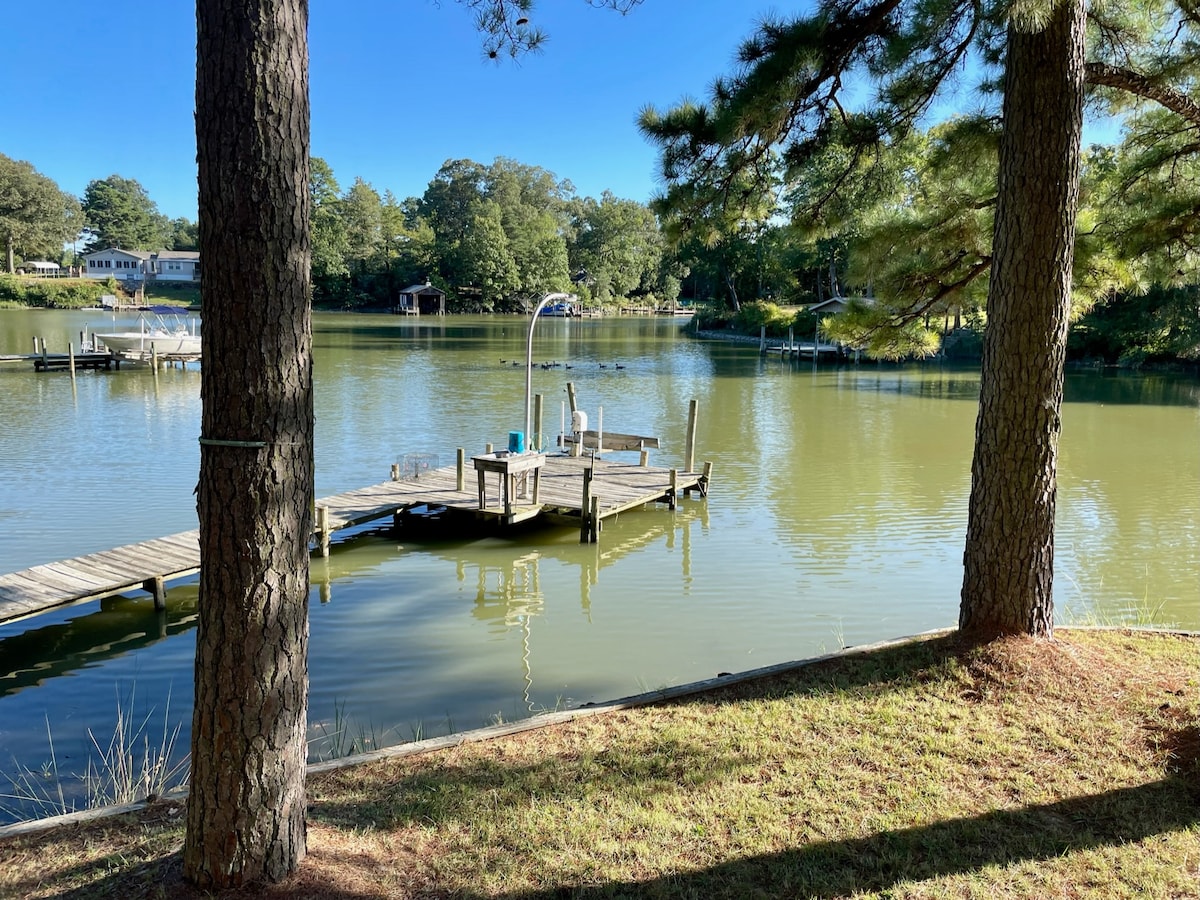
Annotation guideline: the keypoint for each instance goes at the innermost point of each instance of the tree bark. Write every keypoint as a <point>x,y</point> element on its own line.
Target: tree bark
<point>246,806</point>
<point>1009,556</point>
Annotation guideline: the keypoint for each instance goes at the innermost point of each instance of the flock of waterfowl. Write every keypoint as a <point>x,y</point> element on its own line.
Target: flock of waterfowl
<point>554,364</point>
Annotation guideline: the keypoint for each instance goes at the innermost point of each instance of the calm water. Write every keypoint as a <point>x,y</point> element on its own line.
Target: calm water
<point>836,516</point>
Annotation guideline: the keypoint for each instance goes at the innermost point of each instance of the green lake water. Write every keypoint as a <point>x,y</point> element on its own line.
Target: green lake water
<point>836,517</point>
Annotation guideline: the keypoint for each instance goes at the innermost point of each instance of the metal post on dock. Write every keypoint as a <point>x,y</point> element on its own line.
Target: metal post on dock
<point>599,430</point>
<point>689,448</point>
<point>534,441</point>
<point>71,359</point>
<point>462,460</point>
<point>673,495</point>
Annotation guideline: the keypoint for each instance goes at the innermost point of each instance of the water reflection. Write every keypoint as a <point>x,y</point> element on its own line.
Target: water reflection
<point>121,625</point>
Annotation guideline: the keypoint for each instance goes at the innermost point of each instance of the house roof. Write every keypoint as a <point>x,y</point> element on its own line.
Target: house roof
<point>136,254</point>
<point>422,289</point>
<point>832,301</point>
<point>178,254</point>
<point>41,264</point>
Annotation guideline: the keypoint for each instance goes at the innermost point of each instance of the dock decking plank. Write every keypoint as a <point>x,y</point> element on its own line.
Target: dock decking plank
<point>617,486</point>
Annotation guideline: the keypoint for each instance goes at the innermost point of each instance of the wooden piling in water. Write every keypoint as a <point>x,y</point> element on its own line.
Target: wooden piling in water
<point>157,586</point>
<point>585,507</point>
<point>689,451</point>
<point>323,529</point>
<point>461,465</point>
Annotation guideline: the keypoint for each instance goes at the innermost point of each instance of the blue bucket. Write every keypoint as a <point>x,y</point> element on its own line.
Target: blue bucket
<point>516,442</point>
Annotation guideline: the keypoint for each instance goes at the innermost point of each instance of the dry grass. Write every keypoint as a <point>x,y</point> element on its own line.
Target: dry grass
<point>1016,770</point>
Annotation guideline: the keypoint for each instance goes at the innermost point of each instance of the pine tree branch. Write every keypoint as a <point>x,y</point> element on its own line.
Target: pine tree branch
<point>1105,75</point>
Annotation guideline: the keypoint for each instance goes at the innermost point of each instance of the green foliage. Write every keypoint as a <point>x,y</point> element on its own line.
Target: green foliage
<point>859,327</point>
<point>52,293</point>
<point>712,317</point>
<point>121,214</point>
<point>36,218</point>
<point>754,315</point>
<point>617,242</point>
<point>821,110</point>
<point>1133,328</point>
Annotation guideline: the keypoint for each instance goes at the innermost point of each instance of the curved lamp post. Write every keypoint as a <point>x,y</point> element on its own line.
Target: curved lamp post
<point>529,356</point>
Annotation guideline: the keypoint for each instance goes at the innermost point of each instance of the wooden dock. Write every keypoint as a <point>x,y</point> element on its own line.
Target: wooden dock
<point>65,362</point>
<point>801,350</point>
<point>577,492</point>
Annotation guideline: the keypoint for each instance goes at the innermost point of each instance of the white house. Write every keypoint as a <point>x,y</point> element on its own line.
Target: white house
<point>140,265</point>
<point>175,265</point>
<point>124,265</point>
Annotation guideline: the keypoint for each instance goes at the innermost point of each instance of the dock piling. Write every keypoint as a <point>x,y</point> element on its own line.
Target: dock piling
<point>323,529</point>
<point>689,452</point>
<point>157,586</point>
<point>673,491</point>
<point>585,507</point>
<point>461,464</point>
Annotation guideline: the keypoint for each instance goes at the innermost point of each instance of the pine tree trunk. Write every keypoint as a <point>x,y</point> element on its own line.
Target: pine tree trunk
<point>246,807</point>
<point>1009,557</point>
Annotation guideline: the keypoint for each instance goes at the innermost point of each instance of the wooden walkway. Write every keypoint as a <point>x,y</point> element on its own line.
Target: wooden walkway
<point>574,491</point>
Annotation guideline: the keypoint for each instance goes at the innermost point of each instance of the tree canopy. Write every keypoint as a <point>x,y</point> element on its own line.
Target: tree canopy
<point>828,105</point>
<point>121,214</point>
<point>36,217</point>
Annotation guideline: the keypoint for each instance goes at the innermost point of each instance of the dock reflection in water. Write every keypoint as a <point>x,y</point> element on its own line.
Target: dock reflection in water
<point>121,625</point>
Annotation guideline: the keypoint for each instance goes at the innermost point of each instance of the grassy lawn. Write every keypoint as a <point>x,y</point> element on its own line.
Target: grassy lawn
<point>1019,769</point>
<point>170,293</point>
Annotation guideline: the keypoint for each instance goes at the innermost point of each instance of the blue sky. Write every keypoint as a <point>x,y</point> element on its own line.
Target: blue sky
<point>398,87</point>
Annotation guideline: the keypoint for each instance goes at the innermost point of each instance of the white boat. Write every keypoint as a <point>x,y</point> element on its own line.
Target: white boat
<point>158,337</point>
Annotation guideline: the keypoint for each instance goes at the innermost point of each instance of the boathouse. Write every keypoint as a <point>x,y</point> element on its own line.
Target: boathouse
<point>421,299</point>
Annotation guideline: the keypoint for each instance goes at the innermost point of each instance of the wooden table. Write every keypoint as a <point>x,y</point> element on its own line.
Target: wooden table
<point>508,466</point>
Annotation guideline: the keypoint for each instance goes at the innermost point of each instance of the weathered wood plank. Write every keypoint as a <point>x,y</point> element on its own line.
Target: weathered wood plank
<point>618,487</point>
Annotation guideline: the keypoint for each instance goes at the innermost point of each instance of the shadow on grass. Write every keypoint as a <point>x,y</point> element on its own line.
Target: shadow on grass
<point>820,870</point>
<point>883,861</point>
<point>439,791</point>
<point>440,794</point>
